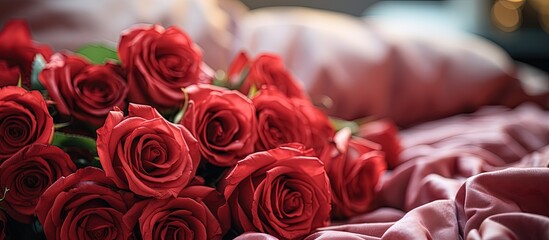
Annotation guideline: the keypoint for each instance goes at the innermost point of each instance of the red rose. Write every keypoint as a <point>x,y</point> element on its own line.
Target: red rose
<point>3,223</point>
<point>24,119</point>
<point>321,128</point>
<point>384,133</point>
<point>214,200</point>
<point>283,192</point>
<point>159,62</point>
<point>27,174</point>
<point>284,120</point>
<point>223,122</point>
<point>84,205</point>
<point>183,217</point>
<point>9,76</point>
<point>147,154</point>
<point>265,70</point>
<point>354,166</point>
<point>17,52</point>
<point>85,91</point>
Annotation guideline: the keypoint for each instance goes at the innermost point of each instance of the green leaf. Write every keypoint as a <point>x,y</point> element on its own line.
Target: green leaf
<point>96,163</point>
<point>64,140</point>
<point>339,124</point>
<point>37,66</point>
<point>253,91</point>
<point>177,118</point>
<point>98,53</point>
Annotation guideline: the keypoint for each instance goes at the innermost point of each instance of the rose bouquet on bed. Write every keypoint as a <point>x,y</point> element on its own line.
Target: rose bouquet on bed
<point>146,142</point>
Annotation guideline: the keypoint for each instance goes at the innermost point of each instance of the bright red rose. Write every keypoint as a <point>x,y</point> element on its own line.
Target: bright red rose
<point>146,154</point>
<point>321,128</point>
<point>354,166</point>
<point>223,122</point>
<point>82,90</point>
<point>284,120</point>
<point>27,174</point>
<point>283,192</point>
<point>279,121</point>
<point>17,52</point>
<point>159,62</point>
<point>84,205</point>
<point>185,217</point>
<point>384,133</point>
<point>24,119</point>
<point>265,70</point>
<point>3,223</point>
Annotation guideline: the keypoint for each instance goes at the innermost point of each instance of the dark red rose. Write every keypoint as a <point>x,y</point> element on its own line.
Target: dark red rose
<point>84,205</point>
<point>9,76</point>
<point>265,70</point>
<point>27,174</point>
<point>223,122</point>
<point>146,154</point>
<point>185,217</point>
<point>82,90</point>
<point>283,192</point>
<point>286,120</point>
<point>214,200</point>
<point>354,166</point>
<point>159,62</point>
<point>3,223</point>
<point>17,52</point>
<point>384,133</point>
<point>24,119</point>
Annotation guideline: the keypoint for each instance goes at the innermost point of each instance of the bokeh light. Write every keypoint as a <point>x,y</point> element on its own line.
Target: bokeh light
<point>506,14</point>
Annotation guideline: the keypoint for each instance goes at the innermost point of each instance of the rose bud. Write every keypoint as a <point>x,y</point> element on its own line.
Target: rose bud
<point>146,154</point>
<point>82,90</point>
<point>17,53</point>
<point>284,192</point>
<point>24,119</point>
<point>159,62</point>
<point>27,174</point>
<point>354,166</point>
<point>223,122</point>
<point>84,205</point>
<point>265,70</point>
<point>384,133</point>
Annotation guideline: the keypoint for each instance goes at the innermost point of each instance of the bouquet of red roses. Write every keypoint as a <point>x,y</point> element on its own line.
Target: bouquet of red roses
<point>147,142</point>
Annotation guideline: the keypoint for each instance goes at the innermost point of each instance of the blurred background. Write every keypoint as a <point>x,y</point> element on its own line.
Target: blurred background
<point>410,61</point>
<point>521,27</point>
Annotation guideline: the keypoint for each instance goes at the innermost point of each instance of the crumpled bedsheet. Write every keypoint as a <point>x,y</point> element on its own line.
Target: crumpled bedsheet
<point>475,176</point>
